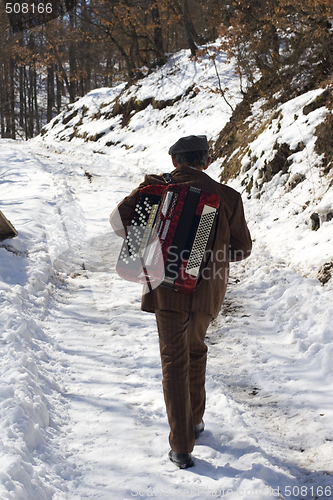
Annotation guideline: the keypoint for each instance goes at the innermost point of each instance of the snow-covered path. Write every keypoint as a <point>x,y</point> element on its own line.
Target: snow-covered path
<point>82,411</point>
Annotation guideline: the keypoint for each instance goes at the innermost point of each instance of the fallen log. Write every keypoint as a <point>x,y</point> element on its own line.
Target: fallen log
<point>7,230</point>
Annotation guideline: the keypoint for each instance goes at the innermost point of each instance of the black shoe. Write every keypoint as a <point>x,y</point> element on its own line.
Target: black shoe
<point>182,460</point>
<point>198,429</point>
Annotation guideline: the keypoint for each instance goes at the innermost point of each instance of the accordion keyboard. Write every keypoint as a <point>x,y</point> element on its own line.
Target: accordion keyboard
<point>200,240</point>
<point>139,231</point>
<point>148,230</point>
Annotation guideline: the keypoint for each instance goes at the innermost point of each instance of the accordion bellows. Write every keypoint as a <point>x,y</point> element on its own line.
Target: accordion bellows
<point>167,239</point>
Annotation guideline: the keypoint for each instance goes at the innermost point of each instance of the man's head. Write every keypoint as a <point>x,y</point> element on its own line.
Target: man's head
<point>191,151</point>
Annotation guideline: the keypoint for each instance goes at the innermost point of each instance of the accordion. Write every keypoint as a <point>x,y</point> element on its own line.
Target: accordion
<point>167,238</point>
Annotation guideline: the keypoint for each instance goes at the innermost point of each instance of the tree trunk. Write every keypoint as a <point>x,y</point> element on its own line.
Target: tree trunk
<point>158,38</point>
<point>12,98</point>
<point>188,31</point>
<point>22,96</point>
<point>50,92</point>
<point>8,101</point>
<point>2,101</point>
<point>108,74</point>
<point>36,109</point>
<point>59,90</point>
<point>31,102</point>
<point>25,103</point>
<point>72,62</point>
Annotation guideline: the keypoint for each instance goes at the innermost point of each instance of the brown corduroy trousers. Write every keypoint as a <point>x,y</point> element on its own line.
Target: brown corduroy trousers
<point>183,356</point>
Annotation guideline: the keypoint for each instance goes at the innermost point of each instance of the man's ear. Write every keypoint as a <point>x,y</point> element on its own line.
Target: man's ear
<point>208,162</point>
<point>173,159</point>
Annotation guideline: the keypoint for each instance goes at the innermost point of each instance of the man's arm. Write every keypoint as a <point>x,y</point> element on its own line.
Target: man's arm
<point>121,216</point>
<point>240,238</point>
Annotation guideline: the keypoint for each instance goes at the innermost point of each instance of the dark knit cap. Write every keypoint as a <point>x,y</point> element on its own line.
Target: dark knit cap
<point>190,143</point>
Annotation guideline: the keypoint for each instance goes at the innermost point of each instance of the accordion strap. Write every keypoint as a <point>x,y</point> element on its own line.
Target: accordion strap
<point>168,179</point>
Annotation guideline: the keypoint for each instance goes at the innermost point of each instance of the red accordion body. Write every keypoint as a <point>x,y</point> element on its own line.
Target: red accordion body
<point>167,239</point>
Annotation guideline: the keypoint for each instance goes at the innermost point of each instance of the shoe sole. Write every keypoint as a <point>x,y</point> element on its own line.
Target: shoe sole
<point>182,465</point>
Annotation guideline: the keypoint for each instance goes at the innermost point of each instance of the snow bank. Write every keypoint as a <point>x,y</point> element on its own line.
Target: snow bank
<point>280,210</point>
<point>28,379</point>
<point>177,103</point>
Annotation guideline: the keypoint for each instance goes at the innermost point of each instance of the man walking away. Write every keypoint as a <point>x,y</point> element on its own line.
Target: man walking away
<point>182,320</point>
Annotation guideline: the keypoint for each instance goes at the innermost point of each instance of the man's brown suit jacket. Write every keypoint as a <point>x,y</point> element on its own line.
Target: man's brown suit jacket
<point>232,243</point>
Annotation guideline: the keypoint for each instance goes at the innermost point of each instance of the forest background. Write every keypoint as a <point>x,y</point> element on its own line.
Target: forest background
<point>278,45</point>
